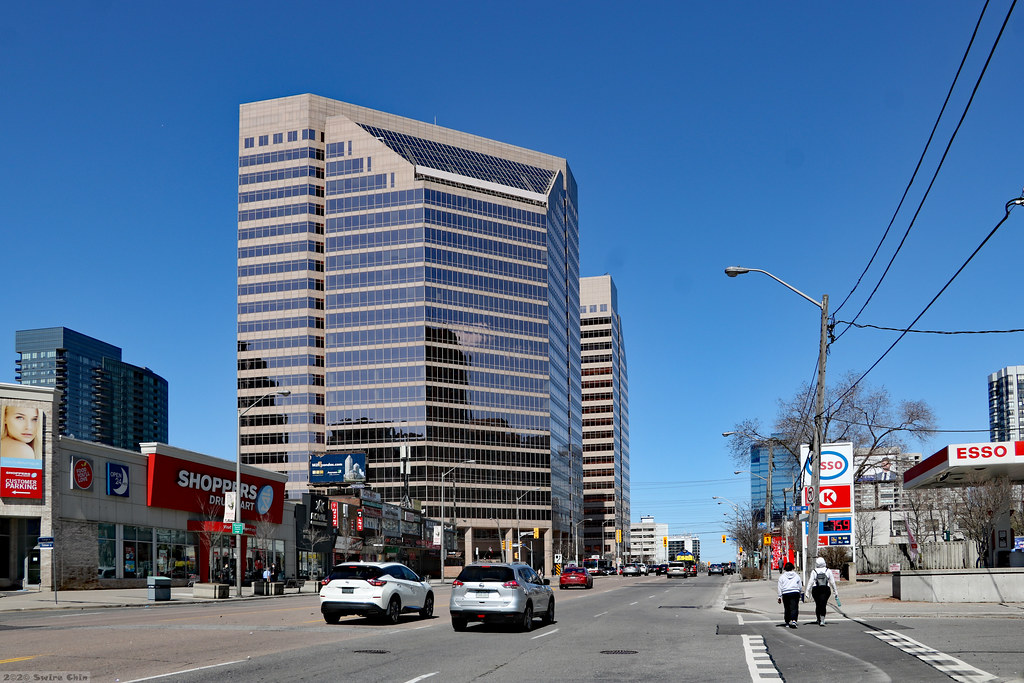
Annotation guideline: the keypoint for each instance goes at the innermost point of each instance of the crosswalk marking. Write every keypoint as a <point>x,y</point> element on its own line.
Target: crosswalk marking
<point>956,669</point>
<point>759,662</point>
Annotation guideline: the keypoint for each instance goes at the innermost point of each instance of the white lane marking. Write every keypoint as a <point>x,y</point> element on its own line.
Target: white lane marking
<point>548,633</point>
<point>651,596</point>
<point>186,671</point>
<point>739,618</point>
<point>633,603</point>
<point>420,678</point>
<point>78,614</point>
<point>956,669</point>
<point>600,615</point>
<point>759,663</point>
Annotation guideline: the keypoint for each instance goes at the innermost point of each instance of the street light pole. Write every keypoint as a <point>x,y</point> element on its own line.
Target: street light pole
<point>577,536</point>
<point>238,487</point>
<point>814,460</point>
<point>443,475</point>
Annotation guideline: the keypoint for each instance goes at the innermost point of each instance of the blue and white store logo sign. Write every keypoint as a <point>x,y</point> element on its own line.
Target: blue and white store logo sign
<point>264,499</point>
<point>117,480</point>
<point>833,465</point>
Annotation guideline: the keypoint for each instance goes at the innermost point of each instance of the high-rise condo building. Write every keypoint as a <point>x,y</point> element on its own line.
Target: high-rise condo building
<point>416,290</point>
<point>605,420</point>
<point>1006,404</point>
<point>103,399</point>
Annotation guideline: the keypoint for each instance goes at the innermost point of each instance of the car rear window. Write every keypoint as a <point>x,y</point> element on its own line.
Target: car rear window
<point>573,570</point>
<point>486,573</point>
<point>354,572</point>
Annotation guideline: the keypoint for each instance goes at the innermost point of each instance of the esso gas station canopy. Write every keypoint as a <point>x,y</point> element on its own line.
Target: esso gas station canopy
<point>953,465</point>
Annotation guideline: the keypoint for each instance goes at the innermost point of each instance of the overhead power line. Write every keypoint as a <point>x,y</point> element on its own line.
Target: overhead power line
<point>901,329</point>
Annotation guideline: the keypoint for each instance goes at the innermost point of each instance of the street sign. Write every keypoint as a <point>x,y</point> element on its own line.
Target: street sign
<point>799,508</point>
<point>46,542</point>
<point>238,527</point>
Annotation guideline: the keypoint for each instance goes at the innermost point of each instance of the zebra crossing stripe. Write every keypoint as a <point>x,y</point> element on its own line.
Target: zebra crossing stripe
<point>759,662</point>
<point>956,669</point>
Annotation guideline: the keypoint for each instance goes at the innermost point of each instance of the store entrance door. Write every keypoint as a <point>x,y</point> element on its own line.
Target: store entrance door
<point>222,558</point>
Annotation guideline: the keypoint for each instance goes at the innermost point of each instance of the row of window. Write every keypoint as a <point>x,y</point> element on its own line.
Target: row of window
<point>281,248</point>
<point>380,375</point>
<point>280,324</point>
<point>281,155</point>
<point>363,183</point>
<point>337,149</point>
<point>281,305</point>
<point>592,334</point>
<point>293,136</point>
<point>281,419</point>
<point>346,167</point>
<point>594,308</point>
<point>280,211</point>
<point>395,296</point>
<point>281,343</point>
<point>295,399</point>
<point>280,174</point>
<point>296,228</point>
<point>274,362</point>
<point>589,360</point>
<point>598,384</point>
<point>280,193</point>
<point>280,267</point>
<point>305,379</point>
<point>296,285</point>
<point>281,438</point>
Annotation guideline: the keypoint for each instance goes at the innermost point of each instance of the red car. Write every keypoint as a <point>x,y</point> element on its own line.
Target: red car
<point>575,576</point>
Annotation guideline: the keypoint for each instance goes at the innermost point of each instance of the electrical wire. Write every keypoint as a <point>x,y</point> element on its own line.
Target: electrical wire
<point>901,329</point>
<point>942,160</point>
<point>1009,205</point>
<point>920,160</point>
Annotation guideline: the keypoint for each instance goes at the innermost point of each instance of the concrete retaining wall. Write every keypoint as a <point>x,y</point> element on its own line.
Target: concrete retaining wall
<point>960,585</point>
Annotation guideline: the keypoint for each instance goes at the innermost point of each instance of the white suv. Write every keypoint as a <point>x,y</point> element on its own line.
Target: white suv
<point>499,592</point>
<point>374,589</point>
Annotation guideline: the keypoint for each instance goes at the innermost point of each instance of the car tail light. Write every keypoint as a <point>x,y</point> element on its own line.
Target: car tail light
<point>456,582</point>
<point>376,582</point>
<point>510,584</point>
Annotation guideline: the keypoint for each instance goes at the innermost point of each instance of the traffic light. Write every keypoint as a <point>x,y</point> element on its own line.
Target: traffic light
<point>536,532</point>
<point>618,535</point>
<point>723,538</point>
<point>502,544</point>
<point>664,541</point>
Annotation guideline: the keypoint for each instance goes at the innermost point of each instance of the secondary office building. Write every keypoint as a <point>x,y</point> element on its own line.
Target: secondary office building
<point>605,421</point>
<point>416,289</point>
<point>1006,404</point>
<point>102,398</point>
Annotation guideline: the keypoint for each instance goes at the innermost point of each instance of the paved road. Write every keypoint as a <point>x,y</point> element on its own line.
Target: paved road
<point>647,628</point>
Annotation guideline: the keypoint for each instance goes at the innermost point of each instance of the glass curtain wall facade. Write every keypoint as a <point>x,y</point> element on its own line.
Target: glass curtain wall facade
<point>433,285</point>
<point>785,479</point>
<point>605,386</point>
<point>1006,404</point>
<point>103,399</point>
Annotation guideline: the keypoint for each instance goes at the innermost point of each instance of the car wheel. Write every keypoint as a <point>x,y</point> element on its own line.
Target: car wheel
<point>560,587</point>
<point>428,607</point>
<point>394,611</point>
<point>458,624</point>
<point>526,620</point>
<point>332,618</point>
<point>549,616</point>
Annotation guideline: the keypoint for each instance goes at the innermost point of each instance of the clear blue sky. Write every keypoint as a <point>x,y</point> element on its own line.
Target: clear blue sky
<point>702,135</point>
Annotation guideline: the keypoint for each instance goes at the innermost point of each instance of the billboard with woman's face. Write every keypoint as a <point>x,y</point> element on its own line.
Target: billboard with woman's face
<point>21,450</point>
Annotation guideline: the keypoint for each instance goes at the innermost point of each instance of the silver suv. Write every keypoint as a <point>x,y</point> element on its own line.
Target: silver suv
<point>500,593</point>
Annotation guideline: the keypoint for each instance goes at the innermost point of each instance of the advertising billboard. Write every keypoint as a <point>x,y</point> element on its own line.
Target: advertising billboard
<point>22,426</point>
<point>338,468</point>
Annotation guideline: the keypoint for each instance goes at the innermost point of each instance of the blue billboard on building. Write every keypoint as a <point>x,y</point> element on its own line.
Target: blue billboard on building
<point>338,468</point>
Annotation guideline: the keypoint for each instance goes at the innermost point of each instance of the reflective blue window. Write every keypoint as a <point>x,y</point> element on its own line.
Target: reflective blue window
<point>249,142</point>
<point>264,140</point>
<point>293,135</point>
<point>278,138</point>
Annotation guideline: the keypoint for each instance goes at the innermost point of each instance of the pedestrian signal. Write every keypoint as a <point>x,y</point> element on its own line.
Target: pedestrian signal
<point>767,540</point>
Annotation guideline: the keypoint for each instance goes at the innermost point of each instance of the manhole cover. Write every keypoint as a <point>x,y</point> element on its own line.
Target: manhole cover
<point>619,652</point>
<point>372,652</point>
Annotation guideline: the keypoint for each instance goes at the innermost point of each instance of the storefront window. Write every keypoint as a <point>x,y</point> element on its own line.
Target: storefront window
<point>137,549</point>
<point>107,551</point>
<point>175,554</point>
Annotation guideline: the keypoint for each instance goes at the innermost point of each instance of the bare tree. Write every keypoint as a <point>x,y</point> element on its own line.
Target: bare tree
<point>743,527</point>
<point>981,504</point>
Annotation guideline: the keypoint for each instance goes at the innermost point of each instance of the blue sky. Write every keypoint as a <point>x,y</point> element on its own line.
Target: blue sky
<point>769,135</point>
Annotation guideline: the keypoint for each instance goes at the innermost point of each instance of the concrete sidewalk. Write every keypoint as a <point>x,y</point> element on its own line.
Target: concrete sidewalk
<point>16,601</point>
<point>866,598</point>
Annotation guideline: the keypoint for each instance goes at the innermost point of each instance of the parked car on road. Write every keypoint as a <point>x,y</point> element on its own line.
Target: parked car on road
<point>575,576</point>
<point>676,570</point>
<point>500,593</point>
<point>374,589</point>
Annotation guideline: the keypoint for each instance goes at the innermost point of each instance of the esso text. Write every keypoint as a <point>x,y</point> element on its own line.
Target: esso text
<point>974,452</point>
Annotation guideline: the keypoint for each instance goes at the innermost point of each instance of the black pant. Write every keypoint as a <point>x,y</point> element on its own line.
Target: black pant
<point>791,606</point>
<point>821,595</point>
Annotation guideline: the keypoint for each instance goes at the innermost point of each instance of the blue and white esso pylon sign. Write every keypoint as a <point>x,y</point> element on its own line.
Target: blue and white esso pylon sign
<point>836,464</point>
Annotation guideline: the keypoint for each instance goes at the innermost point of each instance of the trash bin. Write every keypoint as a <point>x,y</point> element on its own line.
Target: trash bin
<point>159,587</point>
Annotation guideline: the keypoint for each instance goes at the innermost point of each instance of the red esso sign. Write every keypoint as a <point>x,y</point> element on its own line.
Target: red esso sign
<point>82,473</point>
<point>981,451</point>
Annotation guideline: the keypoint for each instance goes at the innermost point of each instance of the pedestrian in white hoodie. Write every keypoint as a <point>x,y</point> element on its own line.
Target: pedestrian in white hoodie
<point>791,588</point>
<point>820,585</point>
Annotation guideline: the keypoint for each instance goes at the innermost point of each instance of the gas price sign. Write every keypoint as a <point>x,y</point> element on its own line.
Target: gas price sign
<point>840,525</point>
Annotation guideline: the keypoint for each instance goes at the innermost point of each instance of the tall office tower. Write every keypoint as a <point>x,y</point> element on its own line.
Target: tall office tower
<point>605,419</point>
<point>1006,404</point>
<point>103,398</point>
<point>785,478</point>
<point>415,288</point>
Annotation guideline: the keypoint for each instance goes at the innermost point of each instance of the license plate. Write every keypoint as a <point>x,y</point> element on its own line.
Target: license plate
<point>348,590</point>
<point>482,594</point>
